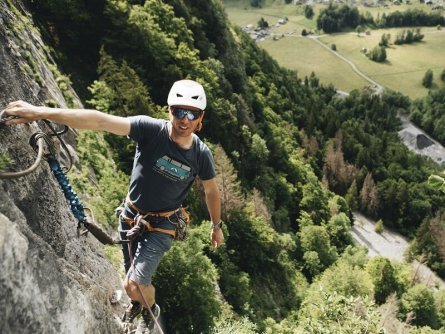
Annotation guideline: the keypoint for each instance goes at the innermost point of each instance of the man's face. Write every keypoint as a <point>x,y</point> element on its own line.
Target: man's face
<point>185,120</point>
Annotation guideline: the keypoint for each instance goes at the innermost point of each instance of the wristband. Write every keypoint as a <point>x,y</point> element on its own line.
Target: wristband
<point>217,226</point>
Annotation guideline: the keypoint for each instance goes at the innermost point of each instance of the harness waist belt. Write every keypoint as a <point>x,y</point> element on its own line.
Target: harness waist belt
<point>153,214</point>
<point>148,225</point>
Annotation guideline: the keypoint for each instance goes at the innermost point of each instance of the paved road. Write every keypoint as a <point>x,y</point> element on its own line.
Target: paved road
<point>391,245</point>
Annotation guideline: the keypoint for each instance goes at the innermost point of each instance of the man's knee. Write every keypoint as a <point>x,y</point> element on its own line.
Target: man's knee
<point>147,289</point>
<point>143,293</point>
<point>131,288</point>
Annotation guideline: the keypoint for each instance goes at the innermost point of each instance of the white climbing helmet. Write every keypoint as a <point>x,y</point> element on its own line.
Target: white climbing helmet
<point>187,93</point>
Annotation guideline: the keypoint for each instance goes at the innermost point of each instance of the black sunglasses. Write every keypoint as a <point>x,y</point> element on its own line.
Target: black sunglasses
<point>180,113</point>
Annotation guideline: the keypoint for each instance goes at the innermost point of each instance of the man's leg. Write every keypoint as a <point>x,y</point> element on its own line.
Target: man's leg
<point>135,307</point>
<point>138,285</point>
<point>143,293</point>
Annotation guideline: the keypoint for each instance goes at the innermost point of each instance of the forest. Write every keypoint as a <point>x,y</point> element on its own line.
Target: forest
<point>294,161</point>
<point>334,18</point>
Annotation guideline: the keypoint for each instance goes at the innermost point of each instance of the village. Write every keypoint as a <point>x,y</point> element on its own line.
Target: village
<point>263,29</point>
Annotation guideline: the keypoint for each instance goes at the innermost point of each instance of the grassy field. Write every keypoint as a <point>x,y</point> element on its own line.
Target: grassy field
<point>305,56</point>
<point>403,71</point>
<point>406,64</point>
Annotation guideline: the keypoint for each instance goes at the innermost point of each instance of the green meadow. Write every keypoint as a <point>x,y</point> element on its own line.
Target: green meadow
<point>305,56</point>
<point>406,64</point>
<point>403,71</point>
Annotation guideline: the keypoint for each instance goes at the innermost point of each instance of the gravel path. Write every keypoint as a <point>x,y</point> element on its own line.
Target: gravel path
<point>388,244</point>
<point>391,245</point>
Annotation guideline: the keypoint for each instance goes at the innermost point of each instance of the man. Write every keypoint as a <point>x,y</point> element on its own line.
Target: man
<point>169,156</point>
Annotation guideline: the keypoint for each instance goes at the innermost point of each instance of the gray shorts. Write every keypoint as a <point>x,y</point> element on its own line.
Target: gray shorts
<point>151,249</point>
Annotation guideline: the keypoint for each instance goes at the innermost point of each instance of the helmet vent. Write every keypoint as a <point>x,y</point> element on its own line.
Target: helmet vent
<point>179,95</point>
<point>195,97</point>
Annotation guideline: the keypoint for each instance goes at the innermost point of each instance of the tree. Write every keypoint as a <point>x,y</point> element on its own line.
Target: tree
<point>427,80</point>
<point>339,227</point>
<point>345,279</point>
<point>378,54</point>
<point>383,277</point>
<point>259,149</point>
<point>235,285</point>
<point>351,196</point>
<point>335,313</point>
<point>419,301</point>
<point>439,299</point>
<point>437,181</point>
<point>318,251</point>
<point>359,29</point>
<point>384,41</point>
<point>430,242</point>
<point>308,12</point>
<point>437,230</point>
<point>338,172</point>
<point>315,201</point>
<point>442,75</point>
<point>229,185</point>
<point>379,227</point>
<point>185,268</point>
<point>262,23</point>
<point>257,206</point>
<point>368,195</point>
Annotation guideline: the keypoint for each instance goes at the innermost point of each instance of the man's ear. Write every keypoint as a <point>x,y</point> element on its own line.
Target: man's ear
<point>170,115</point>
<point>199,127</point>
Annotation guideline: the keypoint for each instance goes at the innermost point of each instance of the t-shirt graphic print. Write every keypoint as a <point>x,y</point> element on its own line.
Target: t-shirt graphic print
<point>172,169</point>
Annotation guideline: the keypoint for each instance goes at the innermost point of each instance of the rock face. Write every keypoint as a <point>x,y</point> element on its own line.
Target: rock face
<point>51,281</point>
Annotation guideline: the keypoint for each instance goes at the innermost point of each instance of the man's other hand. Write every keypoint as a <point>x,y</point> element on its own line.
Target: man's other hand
<point>217,237</point>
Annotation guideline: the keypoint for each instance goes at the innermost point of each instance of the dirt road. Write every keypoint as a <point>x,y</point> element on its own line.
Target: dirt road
<point>391,245</point>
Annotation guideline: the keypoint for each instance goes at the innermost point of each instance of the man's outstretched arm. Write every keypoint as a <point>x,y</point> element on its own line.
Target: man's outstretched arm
<point>75,118</point>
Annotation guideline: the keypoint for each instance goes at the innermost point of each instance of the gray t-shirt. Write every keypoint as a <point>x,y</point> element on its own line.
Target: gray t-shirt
<point>162,171</point>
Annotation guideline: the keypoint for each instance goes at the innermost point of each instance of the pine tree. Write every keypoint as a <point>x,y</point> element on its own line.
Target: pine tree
<point>229,185</point>
<point>427,80</point>
<point>368,195</point>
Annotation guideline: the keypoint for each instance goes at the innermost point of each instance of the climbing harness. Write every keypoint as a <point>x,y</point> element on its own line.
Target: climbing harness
<point>36,141</point>
<point>181,221</point>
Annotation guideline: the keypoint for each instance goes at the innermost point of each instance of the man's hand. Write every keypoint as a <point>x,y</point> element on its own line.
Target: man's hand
<point>91,119</point>
<point>217,237</point>
<point>23,112</point>
<point>135,231</point>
